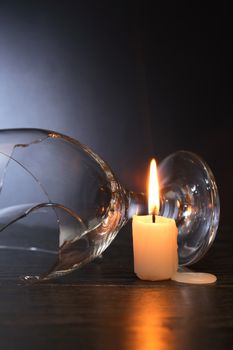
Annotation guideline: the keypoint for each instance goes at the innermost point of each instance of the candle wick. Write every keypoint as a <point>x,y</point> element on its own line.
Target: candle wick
<point>153,216</point>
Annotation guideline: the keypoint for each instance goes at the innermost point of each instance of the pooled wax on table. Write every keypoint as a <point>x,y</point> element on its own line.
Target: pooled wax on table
<point>184,275</point>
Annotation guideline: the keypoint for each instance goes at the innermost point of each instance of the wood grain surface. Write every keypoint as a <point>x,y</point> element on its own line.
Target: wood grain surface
<point>104,306</point>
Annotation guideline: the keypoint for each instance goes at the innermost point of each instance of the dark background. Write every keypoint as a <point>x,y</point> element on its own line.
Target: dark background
<point>130,79</point>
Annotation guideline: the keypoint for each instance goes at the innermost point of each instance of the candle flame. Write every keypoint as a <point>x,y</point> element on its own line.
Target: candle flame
<point>153,189</point>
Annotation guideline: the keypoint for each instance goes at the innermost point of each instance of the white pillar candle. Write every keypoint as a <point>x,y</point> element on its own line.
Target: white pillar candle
<point>154,247</point>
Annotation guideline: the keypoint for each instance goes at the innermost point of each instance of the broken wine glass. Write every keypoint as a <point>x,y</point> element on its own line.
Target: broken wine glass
<point>61,205</point>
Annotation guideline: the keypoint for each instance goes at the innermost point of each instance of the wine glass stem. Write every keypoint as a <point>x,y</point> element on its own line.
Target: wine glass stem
<point>137,204</point>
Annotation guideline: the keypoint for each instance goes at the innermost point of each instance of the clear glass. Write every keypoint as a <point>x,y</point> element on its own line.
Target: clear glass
<point>189,195</point>
<point>61,205</point>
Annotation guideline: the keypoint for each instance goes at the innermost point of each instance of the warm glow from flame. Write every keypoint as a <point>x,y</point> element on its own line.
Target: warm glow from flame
<point>153,189</point>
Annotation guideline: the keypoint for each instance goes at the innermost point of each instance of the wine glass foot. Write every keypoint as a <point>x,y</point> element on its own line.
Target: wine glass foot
<point>189,195</point>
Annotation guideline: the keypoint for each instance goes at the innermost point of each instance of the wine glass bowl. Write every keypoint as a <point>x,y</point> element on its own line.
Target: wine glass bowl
<point>59,202</point>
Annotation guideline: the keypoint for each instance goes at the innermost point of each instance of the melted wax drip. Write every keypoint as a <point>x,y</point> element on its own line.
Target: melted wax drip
<point>185,275</point>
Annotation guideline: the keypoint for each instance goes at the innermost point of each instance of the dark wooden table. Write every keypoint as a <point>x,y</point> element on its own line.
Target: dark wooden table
<point>104,306</point>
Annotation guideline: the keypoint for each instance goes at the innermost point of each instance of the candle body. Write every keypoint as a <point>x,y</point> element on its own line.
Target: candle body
<point>155,247</point>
